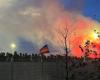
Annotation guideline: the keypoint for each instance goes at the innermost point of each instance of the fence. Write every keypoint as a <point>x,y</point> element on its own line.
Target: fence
<point>32,71</point>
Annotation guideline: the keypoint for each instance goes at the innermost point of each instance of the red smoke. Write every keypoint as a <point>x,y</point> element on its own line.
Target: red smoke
<point>79,32</point>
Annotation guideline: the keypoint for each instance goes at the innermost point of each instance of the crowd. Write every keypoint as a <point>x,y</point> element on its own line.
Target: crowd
<point>22,57</point>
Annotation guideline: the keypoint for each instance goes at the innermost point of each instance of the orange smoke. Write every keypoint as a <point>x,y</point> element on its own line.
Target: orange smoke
<point>79,32</point>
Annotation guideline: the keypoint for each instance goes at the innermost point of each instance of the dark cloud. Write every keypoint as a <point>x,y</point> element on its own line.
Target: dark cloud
<point>26,46</point>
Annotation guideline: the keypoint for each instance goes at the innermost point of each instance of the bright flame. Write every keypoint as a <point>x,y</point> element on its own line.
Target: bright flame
<point>95,36</point>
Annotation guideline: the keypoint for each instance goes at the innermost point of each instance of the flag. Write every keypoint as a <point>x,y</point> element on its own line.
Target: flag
<point>44,49</point>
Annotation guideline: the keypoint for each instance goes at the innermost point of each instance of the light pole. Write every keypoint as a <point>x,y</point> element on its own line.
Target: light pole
<point>13,47</point>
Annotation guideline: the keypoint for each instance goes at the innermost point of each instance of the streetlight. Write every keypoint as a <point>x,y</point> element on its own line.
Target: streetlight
<point>13,47</point>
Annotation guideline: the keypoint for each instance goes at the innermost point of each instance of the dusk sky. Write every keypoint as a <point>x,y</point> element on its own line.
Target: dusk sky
<point>30,24</point>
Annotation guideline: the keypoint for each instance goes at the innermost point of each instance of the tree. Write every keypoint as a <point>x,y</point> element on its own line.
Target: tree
<point>88,49</point>
<point>65,35</point>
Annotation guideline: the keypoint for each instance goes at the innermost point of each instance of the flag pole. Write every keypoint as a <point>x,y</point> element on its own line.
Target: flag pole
<point>41,65</point>
<point>43,50</point>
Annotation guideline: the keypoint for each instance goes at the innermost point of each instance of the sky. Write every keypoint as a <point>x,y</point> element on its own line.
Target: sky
<point>30,24</point>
